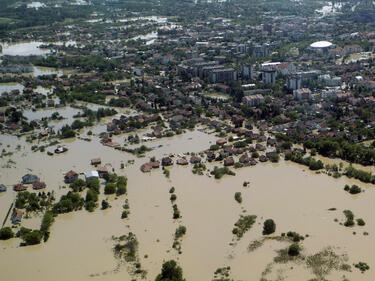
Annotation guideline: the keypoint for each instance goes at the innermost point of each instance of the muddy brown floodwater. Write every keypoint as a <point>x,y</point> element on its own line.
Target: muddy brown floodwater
<point>80,245</point>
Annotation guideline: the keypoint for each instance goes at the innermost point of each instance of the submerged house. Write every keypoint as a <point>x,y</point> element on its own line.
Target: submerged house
<point>39,185</point>
<point>92,175</point>
<point>70,177</point>
<point>102,171</point>
<point>30,179</point>
<point>96,161</point>
<point>166,161</point>
<point>19,187</point>
<point>145,168</point>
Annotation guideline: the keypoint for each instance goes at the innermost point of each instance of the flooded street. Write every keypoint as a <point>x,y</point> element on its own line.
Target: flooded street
<point>285,192</point>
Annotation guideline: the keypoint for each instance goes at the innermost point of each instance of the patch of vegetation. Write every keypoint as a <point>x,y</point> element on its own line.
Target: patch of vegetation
<point>166,173</point>
<point>255,245</point>
<point>220,172</point>
<point>199,168</point>
<point>360,222</point>
<point>32,237</point>
<point>34,202</point>
<point>294,250</point>
<point>238,197</point>
<point>362,266</point>
<point>179,233</point>
<point>222,274</point>
<point>70,202</point>
<point>126,211</point>
<point>243,224</point>
<point>354,189</point>
<point>126,247</point>
<point>173,197</point>
<point>312,163</point>
<point>110,188</point>
<point>47,222</point>
<point>294,236</point>
<point>139,151</point>
<point>105,204</point>
<point>176,212</point>
<point>349,218</point>
<point>323,262</point>
<point>275,158</point>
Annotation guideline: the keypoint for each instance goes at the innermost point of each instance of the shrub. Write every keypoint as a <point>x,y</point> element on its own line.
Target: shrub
<point>294,250</point>
<point>105,204</point>
<point>360,222</point>
<point>180,231</point>
<point>362,266</point>
<point>243,224</point>
<point>238,197</point>
<point>349,218</point>
<point>275,158</point>
<point>269,227</point>
<point>355,189</point>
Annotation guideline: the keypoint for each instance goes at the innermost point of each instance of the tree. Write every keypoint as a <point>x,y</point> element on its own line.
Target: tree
<point>170,272</point>
<point>6,233</point>
<point>269,227</point>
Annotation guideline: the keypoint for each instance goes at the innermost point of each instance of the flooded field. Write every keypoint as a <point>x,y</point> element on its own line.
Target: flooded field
<point>24,49</point>
<point>295,198</point>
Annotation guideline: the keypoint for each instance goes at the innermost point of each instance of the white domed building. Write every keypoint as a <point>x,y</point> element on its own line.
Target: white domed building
<point>320,46</point>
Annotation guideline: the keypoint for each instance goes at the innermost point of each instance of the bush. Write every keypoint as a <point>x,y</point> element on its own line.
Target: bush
<point>176,212</point>
<point>124,214</point>
<point>269,227</point>
<point>6,233</point>
<point>180,231</point>
<point>294,250</point>
<point>362,266</point>
<point>243,224</point>
<point>105,204</point>
<point>355,189</point>
<point>173,197</point>
<point>238,197</point>
<point>275,158</point>
<point>110,188</point>
<point>361,222</point>
<point>349,218</point>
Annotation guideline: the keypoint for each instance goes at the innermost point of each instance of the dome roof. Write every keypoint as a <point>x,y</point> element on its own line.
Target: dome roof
<point>321,44</point>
